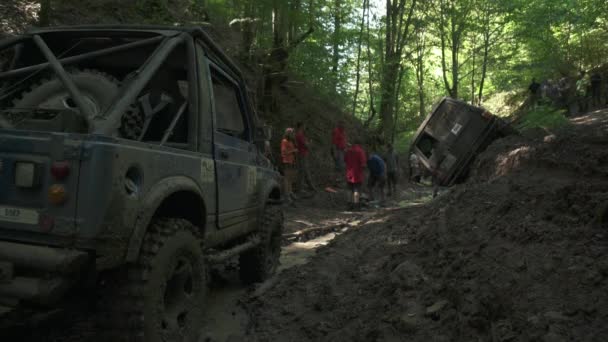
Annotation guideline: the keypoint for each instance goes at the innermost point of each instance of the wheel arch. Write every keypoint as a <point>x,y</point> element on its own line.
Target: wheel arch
<point>271,193</point>
<point>176,197</point>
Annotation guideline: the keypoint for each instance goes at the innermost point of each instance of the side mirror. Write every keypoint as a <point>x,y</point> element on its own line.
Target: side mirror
<point>263,133</point>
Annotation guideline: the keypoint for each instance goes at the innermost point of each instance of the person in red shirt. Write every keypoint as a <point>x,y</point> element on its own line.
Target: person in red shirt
<point>303,146</point>
<point>338,146</point>
<point>356,161</point>
<point>288,161</point>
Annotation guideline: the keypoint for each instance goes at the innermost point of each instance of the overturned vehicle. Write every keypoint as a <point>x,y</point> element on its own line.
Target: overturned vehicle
<point>129,164</point>
<point>452,135</point>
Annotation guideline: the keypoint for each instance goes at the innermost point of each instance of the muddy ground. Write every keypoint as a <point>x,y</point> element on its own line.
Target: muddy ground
<point>518,253</point>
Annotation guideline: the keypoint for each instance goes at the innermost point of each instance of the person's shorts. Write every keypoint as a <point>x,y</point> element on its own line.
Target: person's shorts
<point>339,160</point>
<point>354,186</point>
<point>378,180</point>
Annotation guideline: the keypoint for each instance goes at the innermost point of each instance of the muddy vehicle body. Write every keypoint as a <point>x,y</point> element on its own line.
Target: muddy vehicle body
<point>452,135</point>
<point>129,163</point>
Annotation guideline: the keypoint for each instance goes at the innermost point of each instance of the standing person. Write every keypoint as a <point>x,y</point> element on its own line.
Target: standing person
<point>288,159</point>
<point>355,160</point>
<point>437,157</point>
<point>392,169</point>
<point>415,174</point>
<point>596,89</point>
<point>534,91</point>
<point>338,146</point>
<point>377,176</point>
<point>582,86</point>
<point>303,145</point>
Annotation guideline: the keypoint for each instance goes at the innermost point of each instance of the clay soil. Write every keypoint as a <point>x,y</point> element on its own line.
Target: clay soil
<point>518,253</point>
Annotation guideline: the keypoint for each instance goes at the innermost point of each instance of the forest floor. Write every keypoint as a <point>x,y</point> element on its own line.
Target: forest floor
<point>518,253</point>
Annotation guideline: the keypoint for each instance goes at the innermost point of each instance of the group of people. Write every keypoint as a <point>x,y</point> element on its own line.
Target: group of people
<point>578,96</point>
<point>295,155</point>
<point>350,160</point>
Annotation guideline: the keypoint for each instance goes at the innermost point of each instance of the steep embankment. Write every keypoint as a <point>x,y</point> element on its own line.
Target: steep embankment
<point>520,253</point>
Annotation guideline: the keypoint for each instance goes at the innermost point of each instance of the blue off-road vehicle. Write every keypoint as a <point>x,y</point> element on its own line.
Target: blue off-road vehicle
<point>129,163</point>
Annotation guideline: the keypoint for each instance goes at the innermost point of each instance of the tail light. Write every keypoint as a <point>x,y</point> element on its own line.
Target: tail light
<point>57,194</point>
<point>60,170</point>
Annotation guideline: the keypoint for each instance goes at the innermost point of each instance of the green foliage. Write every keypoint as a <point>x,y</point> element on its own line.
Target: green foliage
<point>543,116</point>
<point>492,49</point>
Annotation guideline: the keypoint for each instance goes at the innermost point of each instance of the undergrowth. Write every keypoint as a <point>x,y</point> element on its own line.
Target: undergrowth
<point>543,116</point>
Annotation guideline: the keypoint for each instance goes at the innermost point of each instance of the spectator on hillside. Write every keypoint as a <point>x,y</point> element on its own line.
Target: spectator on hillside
<point>288,159</point>
<point>338,147</point>
<point>582,91</point>
<point>355,160</point>
<point>392,169</point>
<point>303,145</point>
<point>534,91</point>
<point>596,89</point>
<point>377,176</point>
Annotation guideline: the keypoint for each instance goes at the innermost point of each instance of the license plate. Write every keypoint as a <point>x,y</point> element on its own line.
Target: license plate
<point>18,215</point>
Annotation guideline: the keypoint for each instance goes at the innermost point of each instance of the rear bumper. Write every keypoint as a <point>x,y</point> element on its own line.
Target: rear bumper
<point>37,274</point>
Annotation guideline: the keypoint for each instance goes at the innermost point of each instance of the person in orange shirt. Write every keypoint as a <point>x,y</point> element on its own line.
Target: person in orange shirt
<point>288,161</point>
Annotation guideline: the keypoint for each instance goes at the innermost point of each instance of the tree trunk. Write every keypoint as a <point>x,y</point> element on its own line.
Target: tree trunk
<point>484,66</point>
<point>45,13</point>
<point>420,70</point>
<point>370,77</point>
<point>359,45</point>
<point>336,41</point>
<point>473,52</point>
<point>397,33</point>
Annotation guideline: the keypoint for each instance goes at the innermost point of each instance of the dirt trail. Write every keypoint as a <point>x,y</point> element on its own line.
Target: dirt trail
<point>519,253</point>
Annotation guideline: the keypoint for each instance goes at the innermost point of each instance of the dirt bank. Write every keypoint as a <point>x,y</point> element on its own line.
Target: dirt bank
<point>516,254</point>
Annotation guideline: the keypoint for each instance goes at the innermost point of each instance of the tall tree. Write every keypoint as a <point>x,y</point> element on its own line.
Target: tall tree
<point>364,14</point>
<point>453,16</point>
<point>336,38</point>
<point>399,14</point>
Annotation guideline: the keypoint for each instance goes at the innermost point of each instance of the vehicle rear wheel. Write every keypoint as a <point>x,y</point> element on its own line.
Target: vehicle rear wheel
<point>161,298</point>
<point>261,262</point>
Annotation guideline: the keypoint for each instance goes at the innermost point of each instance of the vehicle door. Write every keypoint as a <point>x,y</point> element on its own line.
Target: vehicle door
<point>233,149</point>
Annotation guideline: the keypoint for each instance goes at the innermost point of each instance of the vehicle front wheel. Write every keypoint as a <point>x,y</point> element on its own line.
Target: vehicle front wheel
<point>258,264</point>
<point>161,299</point>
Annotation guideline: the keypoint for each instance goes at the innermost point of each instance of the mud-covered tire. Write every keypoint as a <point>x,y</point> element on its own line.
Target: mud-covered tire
<point>258,264</point>
<point>98,89</point>
<point>161,298</point>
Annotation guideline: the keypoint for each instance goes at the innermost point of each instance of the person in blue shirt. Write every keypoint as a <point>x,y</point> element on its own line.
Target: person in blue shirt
<point>377,176</point>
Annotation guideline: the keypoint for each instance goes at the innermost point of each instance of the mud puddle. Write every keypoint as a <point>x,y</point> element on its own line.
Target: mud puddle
<point>226,320</point>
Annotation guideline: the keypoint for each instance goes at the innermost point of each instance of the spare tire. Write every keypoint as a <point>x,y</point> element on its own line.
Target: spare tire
<point>98,89</point>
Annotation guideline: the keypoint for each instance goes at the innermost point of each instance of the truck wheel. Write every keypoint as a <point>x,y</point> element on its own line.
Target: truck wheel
<point>261,262</point>
<point>98,89</point>
<point>161,298</point>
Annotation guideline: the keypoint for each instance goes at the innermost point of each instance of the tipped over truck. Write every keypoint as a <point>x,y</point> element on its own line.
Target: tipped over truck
<point>452,135</point>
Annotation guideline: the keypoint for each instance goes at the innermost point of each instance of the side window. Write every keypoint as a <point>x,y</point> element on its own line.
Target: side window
<point>229,113</point>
